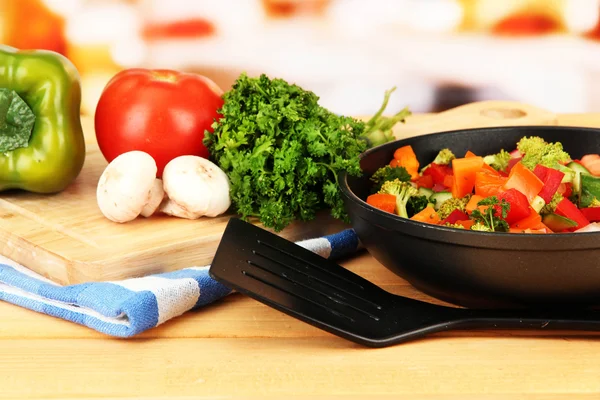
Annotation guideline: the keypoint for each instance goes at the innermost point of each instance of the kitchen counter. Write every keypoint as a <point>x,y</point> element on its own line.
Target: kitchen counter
<point>243,349</point>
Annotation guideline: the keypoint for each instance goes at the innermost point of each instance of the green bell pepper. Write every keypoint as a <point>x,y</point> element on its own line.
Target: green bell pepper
<point>42,148</point>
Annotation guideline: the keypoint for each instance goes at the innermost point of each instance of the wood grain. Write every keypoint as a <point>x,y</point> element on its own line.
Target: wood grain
<point>239,348</point>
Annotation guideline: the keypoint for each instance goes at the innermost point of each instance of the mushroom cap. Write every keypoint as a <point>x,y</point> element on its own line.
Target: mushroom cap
<point>197,185</point>
<point>124,185</point>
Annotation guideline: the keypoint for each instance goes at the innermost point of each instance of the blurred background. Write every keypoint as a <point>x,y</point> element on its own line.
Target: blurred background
<point>438,53</point>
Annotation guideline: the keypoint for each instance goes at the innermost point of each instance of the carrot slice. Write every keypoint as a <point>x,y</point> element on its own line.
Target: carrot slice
<point>490,169</point>
<point>524,180</point>
<point>532,221</point>
<point>469,153</point>
<point>488,183</point>
<point>464,175</point>
<point>472,204</point>
<point>408,159</point>
<point>427,215</point>
<point>383,201</point>
<point>467,224</point>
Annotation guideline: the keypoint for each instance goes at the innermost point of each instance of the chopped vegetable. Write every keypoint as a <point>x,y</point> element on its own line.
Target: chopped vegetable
<point>551,206</point>
<point>525,181</point>
<point>518,205</point>
<point>592,163</point>
<point>534,189</point>
<point>282,151</point>
<point>444,157</point>
<point>388,173</point>
<point>438,172</point>
<point>537,151</point>
<point>570,210</point>
<point>455,216</point>
<point>551,179</point>
<point>473,203</point>
<point>417,203</point>
<point>403,192</point>
<point>452,204</point>
<point>488,183</point>
<point>428,215</point>
<point>490,218</point>
<point>465,170</point>
<point>499,161</point>
<point>479,226</point>
<point>592,214</point>
<point>383,201</point>
<point>558,223</point>
<point>532,221</point>
<point>406,157</point>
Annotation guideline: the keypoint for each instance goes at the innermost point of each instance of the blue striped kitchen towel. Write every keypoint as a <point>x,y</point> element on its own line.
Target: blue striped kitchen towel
<point>128,307</point>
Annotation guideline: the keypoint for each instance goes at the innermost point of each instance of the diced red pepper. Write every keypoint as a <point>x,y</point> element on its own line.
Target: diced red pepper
<point>516,154</point>
<point>425,181</point>
<point>592,214</point>
<point>438,187</point>
<point>570,210</point>
<point>519,205</point>
<point>566,189</point>
<point>552,179</point>
<point>448,181</point>
<point>456,215</point>
<point>437,172</point>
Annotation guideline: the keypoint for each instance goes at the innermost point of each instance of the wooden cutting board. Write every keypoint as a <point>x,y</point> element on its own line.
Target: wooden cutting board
<point>65,238</point>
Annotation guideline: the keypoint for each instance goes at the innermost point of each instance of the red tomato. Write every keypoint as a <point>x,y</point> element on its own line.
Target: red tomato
<point>161,112</point>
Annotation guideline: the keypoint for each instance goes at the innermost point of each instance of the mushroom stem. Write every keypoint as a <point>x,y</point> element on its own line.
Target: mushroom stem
<point>155,197</point>
<point>173,209</point>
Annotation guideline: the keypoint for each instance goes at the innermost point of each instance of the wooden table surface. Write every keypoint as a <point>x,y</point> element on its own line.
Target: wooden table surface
<point>239,348</point>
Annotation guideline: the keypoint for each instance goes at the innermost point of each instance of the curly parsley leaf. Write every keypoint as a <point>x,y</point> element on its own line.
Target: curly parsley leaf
<point>489,217</point>
<point>283,152</point>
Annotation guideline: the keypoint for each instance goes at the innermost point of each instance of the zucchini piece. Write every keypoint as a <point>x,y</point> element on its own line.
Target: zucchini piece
<point>590,190</point>
<point>425,192</point>
<point>439,198</point>
<point>538,203</point>
<point>578,168</point>
<point>557,223</point>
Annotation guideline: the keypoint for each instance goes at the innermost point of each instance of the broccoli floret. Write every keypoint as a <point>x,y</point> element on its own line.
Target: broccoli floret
<point>498,161</point>
<point>459,226</point>
<point>478,226</point>
<point>551,206</point>
<point>452,204</point>
<point>403,192</point>
<point>416,204</point>
<point>537,151</point>
<point>388,173</point>
<point>444,157</point>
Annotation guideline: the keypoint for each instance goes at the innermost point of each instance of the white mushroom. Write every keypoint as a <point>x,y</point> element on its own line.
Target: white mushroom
<point>128,187</point>
<point>195,187</point>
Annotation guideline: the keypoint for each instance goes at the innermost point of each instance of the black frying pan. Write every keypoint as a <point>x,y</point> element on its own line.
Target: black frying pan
<point>477,269</point>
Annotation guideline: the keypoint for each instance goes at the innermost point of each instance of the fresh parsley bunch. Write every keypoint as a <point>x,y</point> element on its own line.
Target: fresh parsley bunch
<point>283,152</point>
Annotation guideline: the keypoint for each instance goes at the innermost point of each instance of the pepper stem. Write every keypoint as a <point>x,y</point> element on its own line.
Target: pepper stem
<point>16,121</point>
